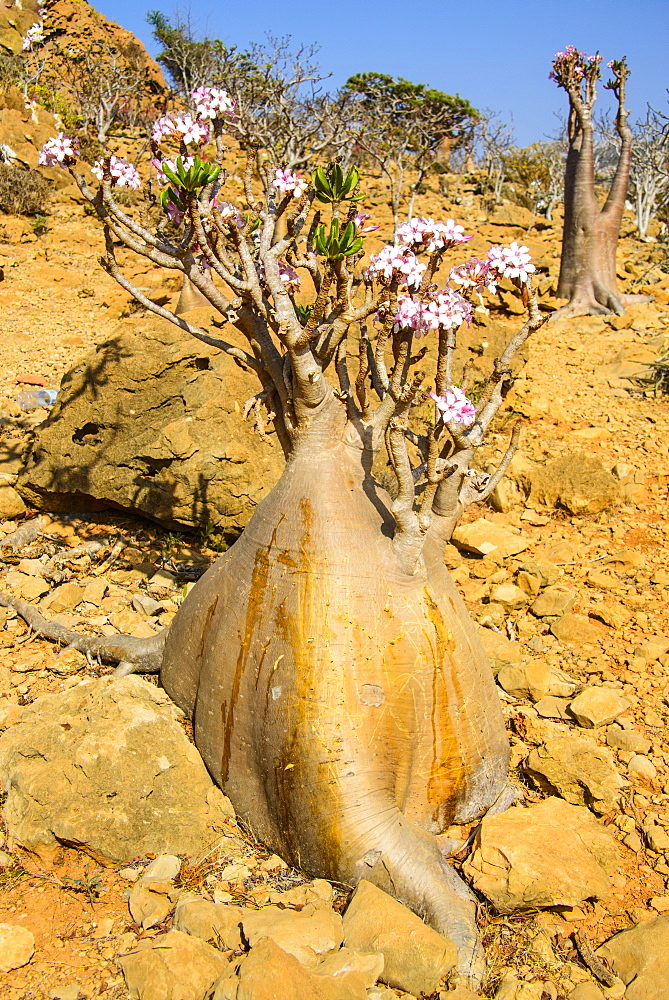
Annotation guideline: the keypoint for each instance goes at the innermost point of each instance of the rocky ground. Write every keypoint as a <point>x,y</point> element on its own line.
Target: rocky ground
<point>567,578</point>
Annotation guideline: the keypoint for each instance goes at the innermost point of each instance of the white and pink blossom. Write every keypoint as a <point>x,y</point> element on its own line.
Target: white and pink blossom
<point>359,219</point>
<point>61,151</point>
<point>287,182</point>
<point>511,262</point>
<point>122,172</point>
<point>453,405</point>
<point>182,127</point>
<point>442,310</point>
<point>426,234</point>
<point>212,102</point>
<point>33,36</point>
<point>395,261</point>
<point>476,274</point>
<point>230,214</point>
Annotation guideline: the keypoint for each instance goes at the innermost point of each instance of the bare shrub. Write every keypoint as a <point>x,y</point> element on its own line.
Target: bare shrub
<point>22,191</point>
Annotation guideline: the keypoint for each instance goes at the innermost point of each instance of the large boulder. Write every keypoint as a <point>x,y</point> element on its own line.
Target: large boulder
<point>640,957</point>
<point>107,767</point>
<point>152,421</point>
<point>549,854</point>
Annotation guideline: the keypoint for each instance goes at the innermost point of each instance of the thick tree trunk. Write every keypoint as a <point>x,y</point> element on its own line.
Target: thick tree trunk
<point>346,707</point>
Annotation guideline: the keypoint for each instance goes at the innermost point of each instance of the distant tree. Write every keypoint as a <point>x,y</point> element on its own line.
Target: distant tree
<point>649,166</point>
<point>280,105</point>
<point>538,170</point>
<point>403,125</point>
<point>493,138</point>
<point>590,235</point>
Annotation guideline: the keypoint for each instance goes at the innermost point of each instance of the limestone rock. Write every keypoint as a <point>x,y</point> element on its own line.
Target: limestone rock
<point>577,770</point>
<point>549,854</point>
<point>576,630</point>
<point>308,934</point>
<point>154,894</point>
<point>217,922</point>
<point>642,766</point>
<point>577,482</point>
<point>555,600</point>
<point>17,946</point>
<point>416,957</point>
<point>11,504</point>
<point>107,767</point>
<point>535,680</point>
<point>586,991</point>
<point>149,422</point>
<point>368,965</point>
<point>627,739</point>
<point>640,957</point>
<point>501,652</point>
<point>597,706</point>
<point>64,598</point>
<point>172,966</point>
<point>269,973</point>
<point>509,596</point>
<point>483,537</point>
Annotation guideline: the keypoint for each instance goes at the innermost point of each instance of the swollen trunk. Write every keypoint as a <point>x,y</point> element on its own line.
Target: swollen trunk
<point>346,708</point>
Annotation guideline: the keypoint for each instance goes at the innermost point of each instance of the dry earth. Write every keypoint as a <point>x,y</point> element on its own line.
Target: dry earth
<point>56,303</point>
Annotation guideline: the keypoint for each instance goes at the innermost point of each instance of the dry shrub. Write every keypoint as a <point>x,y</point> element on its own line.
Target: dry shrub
<point>22,191</point>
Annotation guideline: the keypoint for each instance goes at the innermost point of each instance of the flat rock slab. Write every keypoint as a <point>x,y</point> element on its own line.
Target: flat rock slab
<point>597,706</point>
<point>576,482</point>
<point>416,957</point>
<point>106,767</point>
<point>640,957</point>
<point>17,946</point>
<point>579,771</point>
<point>549,854</point>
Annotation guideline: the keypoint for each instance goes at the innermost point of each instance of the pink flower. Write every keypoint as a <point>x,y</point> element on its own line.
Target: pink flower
<point>182,127</point>
<point>122,172</point>
<point>394,261</point>
<point>212,102</point>
<point>511,262</point>
<point>287,182</point>
<point>174,213</point>
<point>359,219</point>
<point>454,406</point>
<point>426,234</point>
<point>436,310</point>
<point>230,214</point>
<point>289,276</point>
<point>33,36</point>
<point>60,151</point>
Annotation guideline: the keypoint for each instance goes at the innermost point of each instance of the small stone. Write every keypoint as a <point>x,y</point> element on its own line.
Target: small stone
<point>17,946</point>
<point>660,903</point>
<point>126,621</point>
<point>11,504</point>
<point>642,767</point>
<point>30,588</point>
<point>660,577</point>
<point>69,662</point>
<point>552,708</point>
<point>627,739</point>
<point>308,934</point>
<point>153,895</point>
<point>67,597</point>
<point>547,572</point>
<point>216,922</point>
<point>557,600</point>
<point>501,652</point>
<point>145,605</point>
<point>483,537</point>
<point>577,630</point>
<point>579,771</point>
<point>509,596</point>
<point>163,580</point>
<point>368,965</point>
<point>94,591</point>
<point>597,706</point>
<point>633,841</point>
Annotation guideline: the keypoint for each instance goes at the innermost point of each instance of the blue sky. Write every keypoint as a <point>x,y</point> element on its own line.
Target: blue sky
<point>495,54</point>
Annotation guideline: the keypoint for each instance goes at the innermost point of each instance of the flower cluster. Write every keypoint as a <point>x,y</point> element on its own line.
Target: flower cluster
<point>161,177</point>
<point>454,405</point>
<point>212,102</point>
<point>60,151</point>
<point>395,261</point>
<point>182,127</point>
<point>287,182</point>
<point>477,274</point>
<point>571,62</point>
<point>288,275</point>
<point>443,310</point>
<point>33,36</point>
<point>122,172</point>
<point>511,262</point>
<point>426,234</point>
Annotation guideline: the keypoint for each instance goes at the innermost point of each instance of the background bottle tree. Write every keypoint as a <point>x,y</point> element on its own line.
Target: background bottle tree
<point>590,235</point>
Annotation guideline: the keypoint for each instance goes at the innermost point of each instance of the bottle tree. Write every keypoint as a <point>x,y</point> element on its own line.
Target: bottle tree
<point>590,234</point>
<point>338,689</point>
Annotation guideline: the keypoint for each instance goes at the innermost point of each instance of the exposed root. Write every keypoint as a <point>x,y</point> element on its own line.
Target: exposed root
<point>142,656</point>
